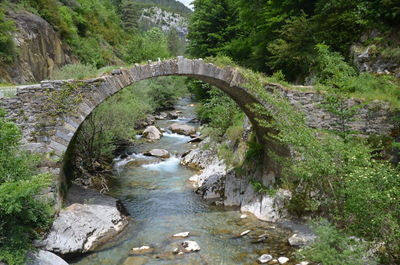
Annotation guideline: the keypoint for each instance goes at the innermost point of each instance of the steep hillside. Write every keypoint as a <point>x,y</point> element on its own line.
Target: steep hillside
<point>38,37</point>
<point>40,50</point>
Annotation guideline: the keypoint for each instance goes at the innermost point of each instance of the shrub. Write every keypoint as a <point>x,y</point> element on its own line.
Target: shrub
<point>22,215</point>
<point>8,51</point>
<point>333,247</point>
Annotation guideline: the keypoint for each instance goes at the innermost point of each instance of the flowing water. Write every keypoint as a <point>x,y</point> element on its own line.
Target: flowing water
<point>161,202</point>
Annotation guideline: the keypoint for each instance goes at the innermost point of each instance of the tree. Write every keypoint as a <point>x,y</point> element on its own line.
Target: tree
<point>211,27</point>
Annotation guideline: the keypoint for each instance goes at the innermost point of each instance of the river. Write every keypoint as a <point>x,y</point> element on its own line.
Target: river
<point>161,203</point>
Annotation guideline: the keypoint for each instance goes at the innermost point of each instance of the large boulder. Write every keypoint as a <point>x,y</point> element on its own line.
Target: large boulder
<point>43,257</point>
<point>182,129</point>
<point>91,220</point>
<point>161,153</point>
<point>152,133</point>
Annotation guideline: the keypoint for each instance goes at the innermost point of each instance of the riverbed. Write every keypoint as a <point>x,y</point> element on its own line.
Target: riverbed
<point>161,202</point>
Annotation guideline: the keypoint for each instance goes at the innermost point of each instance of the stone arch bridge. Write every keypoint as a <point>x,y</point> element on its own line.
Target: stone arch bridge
<point>51,112</point>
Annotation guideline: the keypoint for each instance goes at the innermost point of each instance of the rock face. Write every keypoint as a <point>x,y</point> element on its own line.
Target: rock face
<point>40,50</point>
<point>370,58</point>
<point>157,17</point>
<point>161,153</point>
<point>217,183</point>
<point>45,258</point>
<point>81,227</point>
<point>152,133</point>
<point>182,129</point>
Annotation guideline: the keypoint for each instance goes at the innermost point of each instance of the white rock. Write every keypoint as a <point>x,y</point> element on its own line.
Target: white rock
<point>283,260</point>
<point>243,216</point>
<point>194,178</point>
<point>141,250</point>
<point>265,258</point>
<point>245,232</point>
<point>190,246</point>
<point>152,133</point>
<point>182,235</point>
<point>45,258</point>
<point>81,228</point>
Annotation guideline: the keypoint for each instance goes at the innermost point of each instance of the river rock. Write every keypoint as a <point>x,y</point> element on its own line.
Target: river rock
<point>265,258</point>
<point>43,257</point>
<point>141,250</point>
<point>91,220</point>
<point>152,133</point>
<point>161,153</point>
<point>298,240</point>
<point>182,235</point>
<point>282,260</point>
<point>245,232</point>
<point>174,114</point>
<point>182,129</point>
<point>190,246</point>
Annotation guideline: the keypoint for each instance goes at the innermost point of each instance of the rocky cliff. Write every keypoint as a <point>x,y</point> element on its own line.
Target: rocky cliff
<point>165,20</point>
<point>40,50</point>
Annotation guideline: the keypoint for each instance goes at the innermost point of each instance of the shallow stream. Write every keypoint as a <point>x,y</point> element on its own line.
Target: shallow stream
<point>161,202</point>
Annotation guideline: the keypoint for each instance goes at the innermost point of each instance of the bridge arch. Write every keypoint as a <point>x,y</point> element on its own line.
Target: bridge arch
<point>95,91</point>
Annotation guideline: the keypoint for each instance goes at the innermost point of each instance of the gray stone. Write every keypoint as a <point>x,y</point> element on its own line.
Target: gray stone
<point>80,228</point>
<point>161,153</point>
<point>265,258</point>
<point>299,240</point>
<point>43,257</point>
<point>152,133</point>
<point>182,129</point>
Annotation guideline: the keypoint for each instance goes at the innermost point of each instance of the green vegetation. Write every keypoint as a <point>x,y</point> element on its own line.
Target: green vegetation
<point>332,176</point>
<point>8,51</point>
<point>282,35</point>
<point>150,45</point>
<point>100,33</point>
<point>23,217</point>
<point>334,247</point>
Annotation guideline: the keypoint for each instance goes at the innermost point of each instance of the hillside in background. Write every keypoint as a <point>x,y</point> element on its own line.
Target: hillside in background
<point>39,37</point>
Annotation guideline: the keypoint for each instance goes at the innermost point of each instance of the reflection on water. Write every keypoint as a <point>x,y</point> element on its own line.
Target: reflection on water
<point>161,203</point>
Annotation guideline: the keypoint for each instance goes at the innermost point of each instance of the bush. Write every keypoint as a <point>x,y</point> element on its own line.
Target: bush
<point>23,217</point>
<point>74,71</point>
<point>333,247</point>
